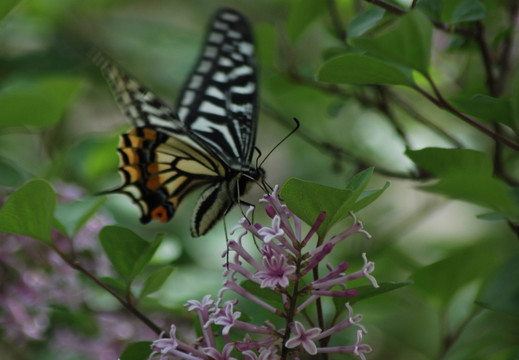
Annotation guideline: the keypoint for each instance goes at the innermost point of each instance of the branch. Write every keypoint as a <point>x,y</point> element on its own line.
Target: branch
<point>440,101</point>
<point>75,264</point>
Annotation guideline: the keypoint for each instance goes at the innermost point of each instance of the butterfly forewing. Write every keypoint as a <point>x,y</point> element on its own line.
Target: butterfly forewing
<point>218,101</point>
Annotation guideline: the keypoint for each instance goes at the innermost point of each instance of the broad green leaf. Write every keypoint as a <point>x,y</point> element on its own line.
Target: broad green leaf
<point>115,284</point>
<point>302,13</point>
<point>478,189</point>
<point>11,174</point>
<point>356,69</point>
<point>441,280</point>
<point>146,255</point>
<point>140,350</point>
<point>367,197</point>
<point>48,99</point>
<point>30,211</point>
<point>441,162</point>
<point>127,251</point>
<point>431,7</point>
<point>368,291</point>
<point>307,200</point>
<point>268,295</point>
<point>501,293</point>
<point>155,281</point>
<point>75,215</point>
<point>6,6</point>
<point>486,108</point>
<point>365,21</point>
<point>468,10</point>
<point>407,43</point>
<point>266,43</point>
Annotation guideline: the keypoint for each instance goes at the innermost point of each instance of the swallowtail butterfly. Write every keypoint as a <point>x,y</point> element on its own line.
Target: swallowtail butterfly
<point>207,139</point>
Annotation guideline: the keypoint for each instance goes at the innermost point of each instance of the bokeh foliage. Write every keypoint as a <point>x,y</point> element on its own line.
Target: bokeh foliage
<point>428,97</point>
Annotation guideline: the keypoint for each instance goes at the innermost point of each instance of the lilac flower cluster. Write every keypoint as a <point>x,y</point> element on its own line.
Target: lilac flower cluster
<point>284,263</point>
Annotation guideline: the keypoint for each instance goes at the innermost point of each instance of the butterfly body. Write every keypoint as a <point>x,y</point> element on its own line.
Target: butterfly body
<point>207,140</point>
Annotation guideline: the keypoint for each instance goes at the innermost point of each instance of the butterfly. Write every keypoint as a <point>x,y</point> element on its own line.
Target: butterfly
<point>207,139</point>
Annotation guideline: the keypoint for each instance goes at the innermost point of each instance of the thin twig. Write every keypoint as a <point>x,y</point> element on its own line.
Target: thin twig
<point>440,101</point>
<point>75,264</point>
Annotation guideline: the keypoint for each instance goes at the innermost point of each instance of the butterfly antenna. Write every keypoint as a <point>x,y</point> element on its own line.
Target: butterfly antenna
<point>282,140</point>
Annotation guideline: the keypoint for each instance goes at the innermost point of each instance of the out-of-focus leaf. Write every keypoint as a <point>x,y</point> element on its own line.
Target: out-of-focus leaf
<point>265,294</point>
<point>140,350</point>
<point>30,211</point>
<point>441,280</point>
<point>368,291</point>
<point>466,175</point>
<point>265,35</point>
<point>93,158</point>
<point>115,284</point>
<point>358,69</point>
<point>75,215</point>
<point>468,10</point>
<point>10,174</point>
<point>302,13</point>
<point>441,162</point>
<point>431,7</point>
<point>365,21</point>
<point>127,251</point>
<point>478,189</point>
<point>6,6</point>
<point>486,108</point>
<point>407,43</point>
<point>40,102</point>
<point>501,293</point>
<point>155,281</point>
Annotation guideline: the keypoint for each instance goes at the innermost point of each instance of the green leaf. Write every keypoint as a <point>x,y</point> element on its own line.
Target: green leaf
<point>408,43</point>
<point>146,255</point>
<point>478,189</point>
<point>356,69</point>
<point>75,215</point>
<point>441,162</point>
<point>365,21</point>
<point>466,175</point>
<point>266,294</point>
<point>48,98</point>
<point>501,293</point>
<point>11,174</point>
<point>368,291</point>
<point>140,350</point>
<point>441,280</point>
<point>155,281</point>
<point>115,284</point>
<point>367,197</point>
<point>486,108</point>
<point>127,251</point>
<point>431,7</point>
<point>303,13</point>
<point>6,6</point>
<point>468,10</point>
<point>30,211</point>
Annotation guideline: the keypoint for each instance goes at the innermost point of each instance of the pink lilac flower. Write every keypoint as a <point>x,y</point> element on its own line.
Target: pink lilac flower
<point>286,271</point>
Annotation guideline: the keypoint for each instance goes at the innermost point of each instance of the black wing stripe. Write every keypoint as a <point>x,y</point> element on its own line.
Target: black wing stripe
<point>222,88</point>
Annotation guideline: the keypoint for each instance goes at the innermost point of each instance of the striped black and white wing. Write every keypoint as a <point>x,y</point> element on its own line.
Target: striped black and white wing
<point>218,102</point>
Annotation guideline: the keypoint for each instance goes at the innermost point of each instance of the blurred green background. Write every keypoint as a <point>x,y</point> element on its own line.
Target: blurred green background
<point>59,121</point>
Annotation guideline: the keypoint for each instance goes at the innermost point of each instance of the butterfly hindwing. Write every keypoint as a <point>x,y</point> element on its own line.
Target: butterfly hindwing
<point>208,142</point>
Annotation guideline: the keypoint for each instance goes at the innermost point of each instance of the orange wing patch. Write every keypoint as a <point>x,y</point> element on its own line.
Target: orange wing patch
<point>159,170</point>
